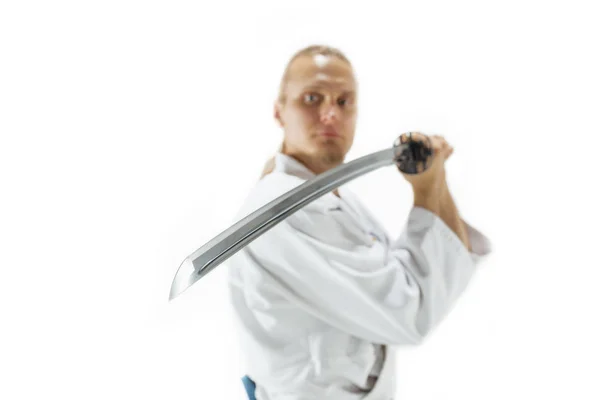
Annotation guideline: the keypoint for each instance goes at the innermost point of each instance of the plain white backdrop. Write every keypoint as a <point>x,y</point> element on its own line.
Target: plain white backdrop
<point>132,130</point>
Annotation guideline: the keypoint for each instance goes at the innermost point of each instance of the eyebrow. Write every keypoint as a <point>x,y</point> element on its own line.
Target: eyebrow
<point>316,87</point>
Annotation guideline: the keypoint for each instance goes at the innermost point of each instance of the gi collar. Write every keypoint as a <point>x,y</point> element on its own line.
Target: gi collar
<point>291,166</point>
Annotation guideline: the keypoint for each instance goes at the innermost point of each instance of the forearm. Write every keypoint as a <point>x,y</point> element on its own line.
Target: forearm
<point>441,203</point>
<point>451,216</point>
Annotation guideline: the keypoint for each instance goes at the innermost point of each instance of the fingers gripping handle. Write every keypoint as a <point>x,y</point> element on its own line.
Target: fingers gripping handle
<point>412,156</point>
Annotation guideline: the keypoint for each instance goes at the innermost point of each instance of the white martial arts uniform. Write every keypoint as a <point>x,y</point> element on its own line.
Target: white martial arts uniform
<point>324,296</point>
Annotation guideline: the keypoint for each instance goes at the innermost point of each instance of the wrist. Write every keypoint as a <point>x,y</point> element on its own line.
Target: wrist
<point>437,189</point>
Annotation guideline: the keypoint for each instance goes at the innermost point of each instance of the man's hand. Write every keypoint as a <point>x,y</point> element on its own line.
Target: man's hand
<point>429,184</point>
<point>433,178</point>
<point>430,187</point>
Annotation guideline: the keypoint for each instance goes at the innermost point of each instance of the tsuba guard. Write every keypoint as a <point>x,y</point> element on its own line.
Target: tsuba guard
<point>412,156</point>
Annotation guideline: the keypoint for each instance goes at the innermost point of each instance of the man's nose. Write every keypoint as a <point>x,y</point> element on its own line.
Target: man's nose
<point>330,114</point>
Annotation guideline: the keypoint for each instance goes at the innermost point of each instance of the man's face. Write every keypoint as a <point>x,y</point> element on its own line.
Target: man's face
<point>319,113</point>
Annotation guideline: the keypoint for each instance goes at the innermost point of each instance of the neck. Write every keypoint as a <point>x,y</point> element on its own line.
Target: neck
<point>316,166</point>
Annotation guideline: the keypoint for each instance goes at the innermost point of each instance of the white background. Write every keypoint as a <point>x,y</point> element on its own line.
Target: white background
<point>132,130</point>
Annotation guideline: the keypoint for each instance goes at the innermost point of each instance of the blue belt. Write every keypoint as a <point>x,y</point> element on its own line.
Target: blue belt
<point>250,387</point>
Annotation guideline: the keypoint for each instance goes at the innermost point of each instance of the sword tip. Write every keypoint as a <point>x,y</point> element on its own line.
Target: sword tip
<point>184,278</point>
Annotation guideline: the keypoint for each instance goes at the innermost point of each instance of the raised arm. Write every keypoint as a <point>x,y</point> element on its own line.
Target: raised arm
<point>431,191</point>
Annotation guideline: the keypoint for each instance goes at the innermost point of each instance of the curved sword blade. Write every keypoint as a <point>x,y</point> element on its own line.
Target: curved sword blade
<point>230,241</point>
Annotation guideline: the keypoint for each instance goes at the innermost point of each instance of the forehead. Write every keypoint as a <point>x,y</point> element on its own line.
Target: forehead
<point>321,71</point>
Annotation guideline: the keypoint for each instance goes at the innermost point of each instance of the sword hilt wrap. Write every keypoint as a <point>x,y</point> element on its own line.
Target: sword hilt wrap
<point>412,156</point>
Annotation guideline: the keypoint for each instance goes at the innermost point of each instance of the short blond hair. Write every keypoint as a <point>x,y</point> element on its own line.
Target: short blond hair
<point>308,51</point>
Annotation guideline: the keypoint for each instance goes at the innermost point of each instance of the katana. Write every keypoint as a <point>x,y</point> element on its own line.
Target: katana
<point>409,155</point>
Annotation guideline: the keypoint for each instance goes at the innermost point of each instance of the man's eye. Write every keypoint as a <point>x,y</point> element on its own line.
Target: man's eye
<point>342,102</point>
<point>311,98</point>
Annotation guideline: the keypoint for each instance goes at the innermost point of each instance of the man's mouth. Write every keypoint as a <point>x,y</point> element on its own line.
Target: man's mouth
<point>329,134</point>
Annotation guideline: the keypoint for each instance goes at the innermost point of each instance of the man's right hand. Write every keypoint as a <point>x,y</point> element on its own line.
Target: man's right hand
<point>433,179</point>
<point>429,186</point>
<point>431,189</point>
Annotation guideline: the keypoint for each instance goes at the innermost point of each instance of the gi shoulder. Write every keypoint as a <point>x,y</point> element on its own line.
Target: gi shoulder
<point>274,185</point>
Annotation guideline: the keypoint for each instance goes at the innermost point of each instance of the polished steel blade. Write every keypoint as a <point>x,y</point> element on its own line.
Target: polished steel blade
<point>227,243</point>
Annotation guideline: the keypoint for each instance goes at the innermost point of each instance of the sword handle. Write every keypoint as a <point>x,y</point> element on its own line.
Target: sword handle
<point>410,154</point>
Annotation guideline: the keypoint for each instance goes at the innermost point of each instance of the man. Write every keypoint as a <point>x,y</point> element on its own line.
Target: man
<point>324,296</point>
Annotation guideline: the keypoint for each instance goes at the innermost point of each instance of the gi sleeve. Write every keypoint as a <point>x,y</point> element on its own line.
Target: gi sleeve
<point>392,293</point>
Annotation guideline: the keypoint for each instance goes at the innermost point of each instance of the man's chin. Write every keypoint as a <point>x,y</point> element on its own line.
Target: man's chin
<point>331,157</point>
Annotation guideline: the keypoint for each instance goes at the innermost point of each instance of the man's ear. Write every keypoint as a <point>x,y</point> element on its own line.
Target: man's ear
<point>277,114</point>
